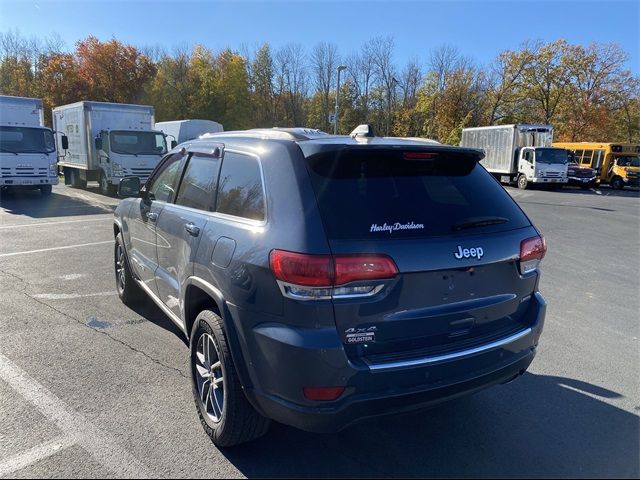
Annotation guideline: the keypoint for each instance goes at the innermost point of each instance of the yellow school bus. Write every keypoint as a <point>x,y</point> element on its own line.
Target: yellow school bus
<point>617,164</point>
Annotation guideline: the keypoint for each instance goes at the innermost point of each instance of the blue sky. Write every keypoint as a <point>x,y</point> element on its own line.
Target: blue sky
<point>479,29</point>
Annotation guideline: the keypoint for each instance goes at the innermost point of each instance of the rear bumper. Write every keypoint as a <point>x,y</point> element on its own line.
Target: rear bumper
<point>28,181</point>
<point>284,364</point>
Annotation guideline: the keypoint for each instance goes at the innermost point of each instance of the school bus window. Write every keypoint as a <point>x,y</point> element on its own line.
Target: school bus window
<point>578,155</point>
<point>586,158</point>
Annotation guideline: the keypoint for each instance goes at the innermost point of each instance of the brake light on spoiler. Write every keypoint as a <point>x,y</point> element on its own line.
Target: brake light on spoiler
<point>320,277</point>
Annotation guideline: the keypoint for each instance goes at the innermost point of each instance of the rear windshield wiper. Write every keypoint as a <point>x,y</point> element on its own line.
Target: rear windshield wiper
<point>474,222</point>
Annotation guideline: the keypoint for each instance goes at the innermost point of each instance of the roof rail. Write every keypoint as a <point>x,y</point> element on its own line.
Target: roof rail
<point>275,133</point>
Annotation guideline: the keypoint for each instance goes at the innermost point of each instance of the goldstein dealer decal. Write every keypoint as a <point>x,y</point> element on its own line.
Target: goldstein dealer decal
<point>395,227</point>
<point>360,335</point>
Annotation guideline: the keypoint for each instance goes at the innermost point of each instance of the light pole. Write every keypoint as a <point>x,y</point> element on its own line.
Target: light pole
<point>335,125</point>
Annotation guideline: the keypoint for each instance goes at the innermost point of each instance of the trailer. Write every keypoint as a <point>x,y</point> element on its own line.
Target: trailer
<point>28,155</point>
<point>107,142</point>
<point>185,130</point>
<point>520,153</point>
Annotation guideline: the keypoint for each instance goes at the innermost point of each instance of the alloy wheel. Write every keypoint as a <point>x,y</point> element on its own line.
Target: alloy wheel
<point>209,377</point>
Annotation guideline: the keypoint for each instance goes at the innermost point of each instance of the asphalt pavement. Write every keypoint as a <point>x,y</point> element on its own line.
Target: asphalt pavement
<point>90,388</point>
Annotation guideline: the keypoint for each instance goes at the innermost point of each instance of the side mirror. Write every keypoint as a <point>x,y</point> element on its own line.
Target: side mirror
<point>174,144</point>
<point>98,143</point>
<point>129,187</point>
<point>65,142</point>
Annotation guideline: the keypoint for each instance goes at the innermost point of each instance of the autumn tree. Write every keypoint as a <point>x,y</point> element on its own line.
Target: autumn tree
<point>113,71</point>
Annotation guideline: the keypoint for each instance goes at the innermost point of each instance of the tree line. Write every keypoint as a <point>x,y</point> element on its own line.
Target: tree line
<point>584,91</point>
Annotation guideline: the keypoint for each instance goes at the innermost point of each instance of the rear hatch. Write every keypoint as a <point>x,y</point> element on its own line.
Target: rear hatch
<point>453,233</point>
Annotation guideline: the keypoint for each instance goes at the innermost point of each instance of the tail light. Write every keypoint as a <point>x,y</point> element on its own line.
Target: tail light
<point>532,251</point>
<point>316,277</point>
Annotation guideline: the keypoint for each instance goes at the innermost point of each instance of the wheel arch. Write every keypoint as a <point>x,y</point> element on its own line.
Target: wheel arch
<point>200,295</point>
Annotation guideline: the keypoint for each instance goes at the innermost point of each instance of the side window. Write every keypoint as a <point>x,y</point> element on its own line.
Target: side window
<point>527,155</point>
<point>163,184</point>
<point>197,188</point>
<point>578,155</point>
<point>586,159</point>
<point>240,189</point>
<point>598,155</point>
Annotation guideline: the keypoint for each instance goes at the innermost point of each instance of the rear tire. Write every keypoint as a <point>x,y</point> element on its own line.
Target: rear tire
<point>523,183</point>
<point>105,187</point>
<point>225,413</point>
<point>128,290</point>
<point>76,180</point>
<point>46,190</point>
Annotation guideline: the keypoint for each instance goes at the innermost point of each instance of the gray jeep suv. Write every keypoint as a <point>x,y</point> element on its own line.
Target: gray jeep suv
<point>323,279</point>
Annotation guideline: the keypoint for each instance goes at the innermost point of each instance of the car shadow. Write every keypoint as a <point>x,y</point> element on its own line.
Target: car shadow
<point>152,313</point>
<point>32,204</point>
<point>537,426</point>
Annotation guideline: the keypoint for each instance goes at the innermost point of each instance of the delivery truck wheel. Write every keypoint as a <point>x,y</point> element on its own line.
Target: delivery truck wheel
<point>75,180</point>
<point>522,182</point>
<point>105,187</point>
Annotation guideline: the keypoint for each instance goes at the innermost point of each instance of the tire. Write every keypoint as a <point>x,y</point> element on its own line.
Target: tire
<point>522,182</point>
<point>128,290</point>
<point>105,187</point>
<point>46,190</point>
<point>76,180</point>
<point>225,413</point>
<point>617,183</point>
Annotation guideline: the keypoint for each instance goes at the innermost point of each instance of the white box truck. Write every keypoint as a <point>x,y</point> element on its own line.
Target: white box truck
<point>519,153</point>
<point>27,148</point>
<point>108,141</point>
<point>184,130</point>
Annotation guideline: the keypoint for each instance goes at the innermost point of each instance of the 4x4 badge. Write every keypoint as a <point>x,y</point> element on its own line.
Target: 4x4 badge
<point>361,335</point>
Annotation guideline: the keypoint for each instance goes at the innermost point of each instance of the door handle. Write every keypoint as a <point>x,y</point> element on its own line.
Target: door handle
<point>192,229</point>
<point>152,216</point>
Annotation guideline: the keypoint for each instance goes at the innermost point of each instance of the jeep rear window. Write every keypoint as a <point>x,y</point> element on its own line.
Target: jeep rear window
<point>383,193</point>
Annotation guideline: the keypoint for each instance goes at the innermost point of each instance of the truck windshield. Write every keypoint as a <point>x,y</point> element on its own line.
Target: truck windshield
<point>629,161</point>
<point>137,143</point>
<point>551,155</point>
<point>26,140</point>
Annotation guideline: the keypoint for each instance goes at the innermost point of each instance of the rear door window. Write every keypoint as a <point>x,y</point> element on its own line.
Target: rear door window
<point>383,193</point>
<point>197,189</point>
<point>240,188</point>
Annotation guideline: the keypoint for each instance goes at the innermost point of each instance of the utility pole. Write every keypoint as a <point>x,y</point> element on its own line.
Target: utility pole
<point>335,125</point>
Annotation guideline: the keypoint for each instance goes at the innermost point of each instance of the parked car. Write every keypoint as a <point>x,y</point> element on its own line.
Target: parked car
<point>583,177</point>
<point>322,280</point>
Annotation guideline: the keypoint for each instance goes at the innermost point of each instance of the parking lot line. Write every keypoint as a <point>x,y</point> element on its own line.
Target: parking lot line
<point>107,217</point>
<point>76,428</point>
<point>55,248</point>
<point>34,455</point>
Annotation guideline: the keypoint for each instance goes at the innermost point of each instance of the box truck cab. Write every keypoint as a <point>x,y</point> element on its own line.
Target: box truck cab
<point>27,148</point>
<point>185,130</point>
<point>107,142</point>
<point>520,153</point>
<point>616,164</point>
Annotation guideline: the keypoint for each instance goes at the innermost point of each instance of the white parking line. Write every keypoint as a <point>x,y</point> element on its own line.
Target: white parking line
<point>29,457</point>
<point>55,248</point>
<point>68,296</point>
<point>76,428</point>
<point>108,217</point>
